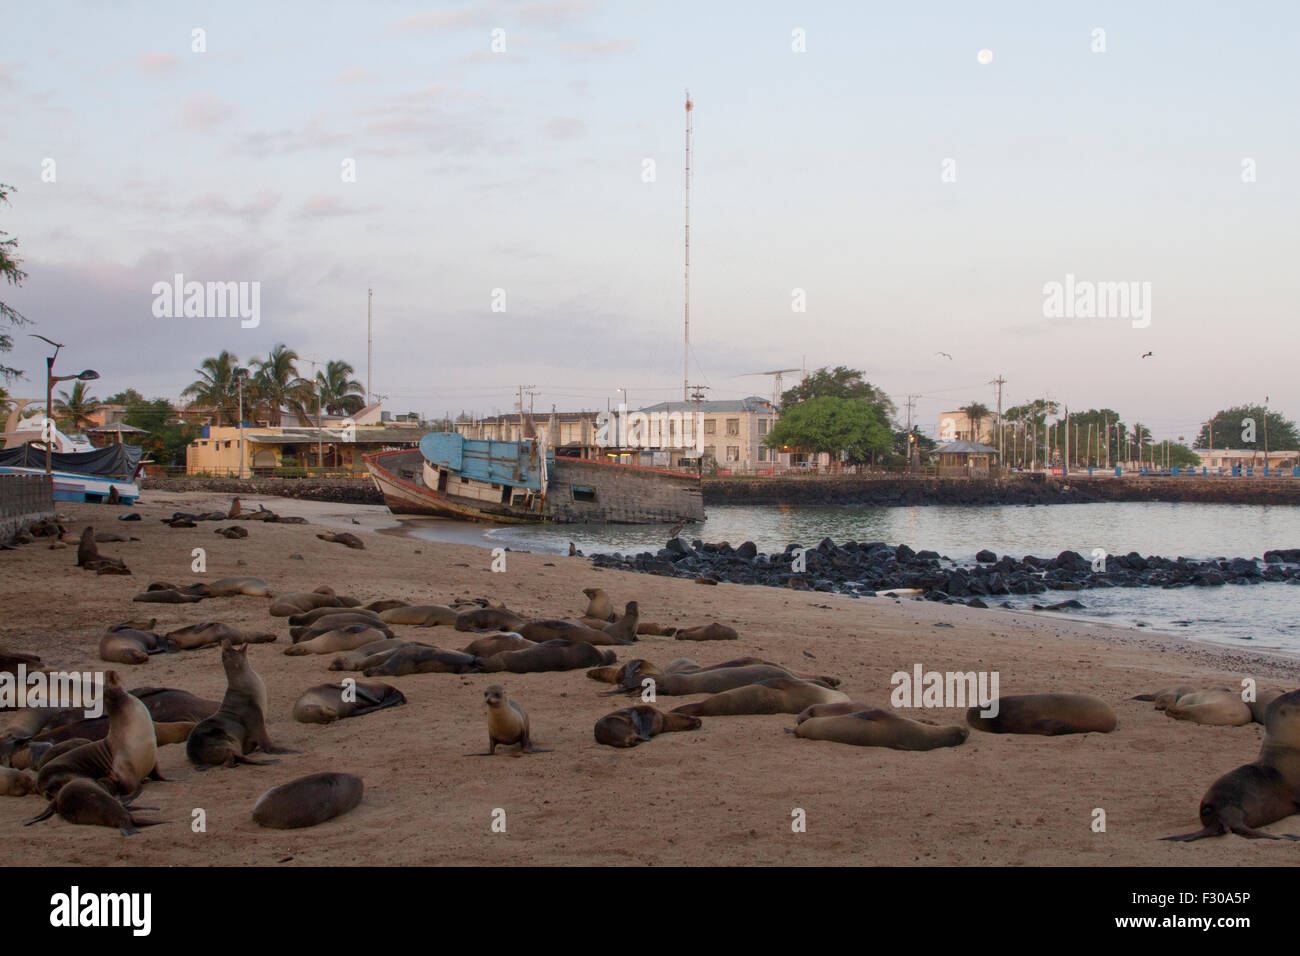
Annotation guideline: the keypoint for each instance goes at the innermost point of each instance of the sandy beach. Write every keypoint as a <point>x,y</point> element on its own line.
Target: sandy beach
<point>720,795</point>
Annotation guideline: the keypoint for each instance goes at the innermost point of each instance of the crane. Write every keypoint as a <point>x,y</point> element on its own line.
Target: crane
<point>776,381</point>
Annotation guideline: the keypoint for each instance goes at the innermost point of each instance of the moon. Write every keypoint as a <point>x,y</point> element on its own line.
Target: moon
<point>985,57</point>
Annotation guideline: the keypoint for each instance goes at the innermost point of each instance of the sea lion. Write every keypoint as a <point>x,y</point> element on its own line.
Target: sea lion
<point>1047,714</point>
<point>88,555</point>
<point>308,618</point>
<point>24,754</point>
<point>1218,707</point>
<point>306,632</point>
<point>96,728</point>
<point>420,615</point>
<point>1259,793</point>
<point>704,681</point>
<point>489,619</point>
<point>84,801</point>
<point>344,638</point>
<point>874,727</point>
<point>211,633</point>
<point>325,703</point>
<point>542,631</point>
<point>499,643</point>
<point>624,630</point>
<point>236,509</point>
<point>366,656</point>
<point>239,725</point>
<point>650,629</point>
<point>599,605</point>
<point>9,661</point>
<point>308,801</point>
<point>422,659</point>
<point>126,645</point>
<point>507,723</point>
<point>167,596</point>
<point>776,695</point>
<point>343,537</point>
<point>233,532</point>
<point>384,604</point>
<point>550,656</point>
<point>16,783</point>
<point>108,537</point>
<point>289,604</point>
<point>1259,706</point>
<point>171,705</point>
<point>708,632</point>
<point>634,725</point>
<point>229,587</point>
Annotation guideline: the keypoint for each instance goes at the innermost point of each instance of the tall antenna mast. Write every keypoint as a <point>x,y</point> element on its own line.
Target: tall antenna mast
<point>686,345</point>
<point>370,342</point>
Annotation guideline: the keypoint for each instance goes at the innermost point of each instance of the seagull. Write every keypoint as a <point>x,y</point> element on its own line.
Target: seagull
<point>1148,354</point>
<point>675,531</point>
<point>945,355</point>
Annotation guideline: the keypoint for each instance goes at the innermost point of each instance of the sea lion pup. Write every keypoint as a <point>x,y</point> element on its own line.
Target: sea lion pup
<point>84,801</point>
<point>239,725</point>
<point>88,555</point>
<point>308,801</point>
<point>776,695</point>
<point>634,725</point>
<point>211,633</point>
<point>367,655</point>
<point>334,621</point>
<point>489,619</point>
<point>312,617</point>
<point>599,605</point>
<point>1047,714</point>
<point>171,705</point>
<point>542,631</point>
<point>708,632</point>
<point>550,656</point>
<point>874,727</point>
<point>507,723</point>
<point>327,703</point>
<point>1219,707</point>
<point>16,783</point>
<point>491,644</point>
<point>123,759</point>
<point>1262,792</point>
<point>346,637</point>
<point>423,659</point>
<point>229,587</point>
<point>287,605</point>
<point>624,629</point>
<point>126,645</point>
<point>420,615</point>
<point>343,537</point>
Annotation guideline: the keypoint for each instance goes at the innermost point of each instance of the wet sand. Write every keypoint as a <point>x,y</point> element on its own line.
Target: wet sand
<point>722,794</point>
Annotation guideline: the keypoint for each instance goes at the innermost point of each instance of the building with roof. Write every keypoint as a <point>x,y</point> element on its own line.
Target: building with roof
<point>964,459</point>
<point>1215,459</point>
<point>337,447</point>
<point>957,425</point>
<point>731,434</point>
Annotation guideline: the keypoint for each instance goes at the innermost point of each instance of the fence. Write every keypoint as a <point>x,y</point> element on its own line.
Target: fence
<point>23,500</point>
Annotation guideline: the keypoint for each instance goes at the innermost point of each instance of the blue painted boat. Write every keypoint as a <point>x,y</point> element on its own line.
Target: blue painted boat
<point>89,477</point>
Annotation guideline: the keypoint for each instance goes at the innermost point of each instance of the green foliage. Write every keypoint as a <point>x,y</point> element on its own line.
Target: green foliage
<point>9,269</point>
<point>840,382</point>
<point>217,387</point>
<point>339,395</point>
<point>1230,424</point>
<point>833,425</point>
<point>72,410</point>
<point>167,438</point>
<point>277,385</point>
<point>1181,455</point>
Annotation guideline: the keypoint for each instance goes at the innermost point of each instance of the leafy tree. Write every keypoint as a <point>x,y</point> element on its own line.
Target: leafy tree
<point>1231,430</point>
<point>839,382</point>
<point>72,411</point>
<point>217,387</point>
<point>1180,456</point>
<point>128,398</point>
<point>167,438</point>
<point>1094,425</point>
<point>833,425</point>
<point>340,395</point>
<point>278,385</point>
<point>9,268</point>
<point>1031,421</point>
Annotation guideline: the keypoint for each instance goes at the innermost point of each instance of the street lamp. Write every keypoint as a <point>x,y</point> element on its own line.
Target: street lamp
<point>89,375</point>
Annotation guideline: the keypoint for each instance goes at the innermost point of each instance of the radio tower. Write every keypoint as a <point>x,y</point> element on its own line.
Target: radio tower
<point>686,345</point>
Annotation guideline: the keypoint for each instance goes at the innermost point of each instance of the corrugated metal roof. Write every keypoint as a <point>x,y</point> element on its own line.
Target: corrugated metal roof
<point>963,447</point>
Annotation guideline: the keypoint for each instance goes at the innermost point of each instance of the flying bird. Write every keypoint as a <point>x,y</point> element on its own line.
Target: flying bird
<point>1148,354</point>
<point>945,355</point>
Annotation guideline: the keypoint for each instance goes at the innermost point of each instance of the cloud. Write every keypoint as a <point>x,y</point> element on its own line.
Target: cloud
<point>600,50</point>
<point>357,74</point>
<point>564,127</point>
<point>446,20</point>
<point>6,76</point>
<point>256,209</point>
<point>553,13</point>
<point>204,112</point>
<point>311,135</point>
<point>157,62</point>
<point>325,207</point>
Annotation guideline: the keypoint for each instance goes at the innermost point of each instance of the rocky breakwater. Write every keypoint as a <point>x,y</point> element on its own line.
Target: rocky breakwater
<point>865,569</point>
<point>357,491</point>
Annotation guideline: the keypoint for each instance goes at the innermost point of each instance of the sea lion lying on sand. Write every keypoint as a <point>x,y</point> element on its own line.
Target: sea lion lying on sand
<point>550,656</point>
<point>420,615</point>
<point>343,537</point>
<point>211,633</point>
<point>308,801</point>
<point>422,659</point>
<point>489,619</point>
<point>326,703</point>
<point>865,726</point>
<point>332,622</point>
<point>708,632</point>
<point>776,695</point>
<point>122,644</point>
<point>289,604</point>
<point>344,638</point>
<point>541,631</point>
<point>1047,714</point>
<point>491,644</point>
<point>635,725</point>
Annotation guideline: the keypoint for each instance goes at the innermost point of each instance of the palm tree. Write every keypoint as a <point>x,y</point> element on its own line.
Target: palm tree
<point>339,394</point>
<point>217,387</point>
<point>279,386</point>
<point>976,413</point>
<point>72,411</point>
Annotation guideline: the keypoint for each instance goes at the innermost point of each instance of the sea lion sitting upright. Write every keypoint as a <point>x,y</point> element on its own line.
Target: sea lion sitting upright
<point>634,725</point>
<point>551,656</point>
<point>869,726</point>
<point>84,801</point>
<point>326,703</point>
<point>420,615</point>
<point>624,630</point>
<point>1047,714</point>
<point>1262,792</point>
<point>88,555</point>
<point>239,725</point>
<point>507,723</point>
<point>776,695</point>
<point>599,605</point>
<point>308,801</point>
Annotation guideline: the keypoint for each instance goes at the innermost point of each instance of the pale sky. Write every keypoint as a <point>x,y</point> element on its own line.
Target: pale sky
<point>522,170</point>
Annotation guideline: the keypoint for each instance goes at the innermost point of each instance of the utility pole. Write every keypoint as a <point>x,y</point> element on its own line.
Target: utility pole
<point>370,343</point>
<point>686,314</point>
<point>697,427</point>
<point>999,382</point>
<point>522,389</point>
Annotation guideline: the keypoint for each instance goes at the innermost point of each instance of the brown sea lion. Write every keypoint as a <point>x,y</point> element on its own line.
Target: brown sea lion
<point>507,723</point>
<point>211,633</point>
<point>108,537</point>
<point>422,659</point>
<point>366,655</point>
<point>1218,707</point>
<point>236,509</point>
<point>599,605</point>
<point>343,537</point>
<point>385,604</point>
<point>229,587</point>
<point>327,703</point>
<point>171,705</point>
<point>499,643</point>
<point>420,615</point>
<point>289,604</point>
<point>233,532</point>
<point>83,801</point>
<point>489,619</point>
<point>874,727</point>
<point>16,783</point>
<point>650,629</point>
<point>1047,714</point>
<point>550,656</point>
<point>126,645</point>
<point>635,725</point>
<point>710,681</point>
<point>88,555</point>
<point>305,632</point>
<point>345,638</point>
<point>541,631</point>
<point>1262,792</point>
<point>308,801</point>
<point>776,695</point>
<point>167,596</point>
<point>309,618</point>
<point>708,632</point>
<point>1259,706</point>
<point>239,725</point>
<point>624,630</point>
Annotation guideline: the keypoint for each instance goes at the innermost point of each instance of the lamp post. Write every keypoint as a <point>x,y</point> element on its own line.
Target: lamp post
<point>240,375</point>
<point>47,433</point>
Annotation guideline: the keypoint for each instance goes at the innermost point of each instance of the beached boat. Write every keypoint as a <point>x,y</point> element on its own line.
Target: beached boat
<point>91,477</point>
<point>522,481</point>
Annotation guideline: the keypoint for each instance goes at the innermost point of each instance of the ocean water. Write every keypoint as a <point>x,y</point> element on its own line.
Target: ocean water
<point>1255,617</point>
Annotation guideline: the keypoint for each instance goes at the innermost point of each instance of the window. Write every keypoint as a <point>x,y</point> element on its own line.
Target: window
<point>710,451</point>
<point>763,425</point>
<point>762,453</point>
<point>733,453</point>
<point>710,426</point>
<point>733,426</point>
